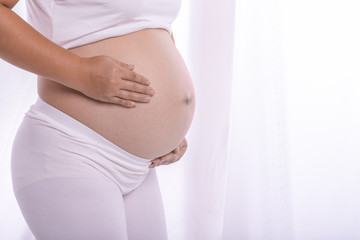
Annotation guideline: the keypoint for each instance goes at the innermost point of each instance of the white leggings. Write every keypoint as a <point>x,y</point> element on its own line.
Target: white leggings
<point>71,183</point>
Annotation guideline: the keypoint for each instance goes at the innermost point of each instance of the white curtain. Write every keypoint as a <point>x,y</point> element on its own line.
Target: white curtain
<point>274,147</point>
<point>258,201</point>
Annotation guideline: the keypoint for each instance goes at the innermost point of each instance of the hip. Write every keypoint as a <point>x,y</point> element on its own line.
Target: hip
<point>51,144</point>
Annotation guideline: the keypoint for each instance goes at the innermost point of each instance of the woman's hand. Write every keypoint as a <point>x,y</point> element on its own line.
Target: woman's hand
<point>109,80</point>
<point>171,157</point>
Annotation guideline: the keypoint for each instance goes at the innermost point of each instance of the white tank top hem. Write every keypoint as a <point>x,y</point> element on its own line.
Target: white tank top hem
<point>73,23</point>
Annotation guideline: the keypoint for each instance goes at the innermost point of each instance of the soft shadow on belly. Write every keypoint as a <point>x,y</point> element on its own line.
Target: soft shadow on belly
<point>150,129</point>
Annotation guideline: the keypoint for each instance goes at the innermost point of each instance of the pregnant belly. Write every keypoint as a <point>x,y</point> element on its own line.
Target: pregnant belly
<point>150,129</point>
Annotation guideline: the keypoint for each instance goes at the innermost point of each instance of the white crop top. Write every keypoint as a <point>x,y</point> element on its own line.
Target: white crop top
<point>72,23</point>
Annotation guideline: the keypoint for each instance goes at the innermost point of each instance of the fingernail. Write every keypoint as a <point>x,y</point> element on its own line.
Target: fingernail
<point>147,99</point>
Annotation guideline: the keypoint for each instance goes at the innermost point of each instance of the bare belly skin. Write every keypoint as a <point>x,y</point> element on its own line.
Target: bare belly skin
<point>150,129</point>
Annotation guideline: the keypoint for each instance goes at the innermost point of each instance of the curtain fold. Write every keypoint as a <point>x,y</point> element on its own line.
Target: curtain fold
<point>208,52</point>
<point>211,38</point>
<point>258,201</point>
<point>322,52</point>
<point>274,146</point>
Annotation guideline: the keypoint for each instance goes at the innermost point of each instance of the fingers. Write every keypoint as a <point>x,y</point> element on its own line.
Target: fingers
<point>112,81</point>
<point>133,96</point>
<point>135,87</point>
<point>171,157</point>
<point>131,67</point>
<point>134,92</point>
<point>165,160</point>
<point>135,77</point>
<point>124,65</point>
<point>123,102</point>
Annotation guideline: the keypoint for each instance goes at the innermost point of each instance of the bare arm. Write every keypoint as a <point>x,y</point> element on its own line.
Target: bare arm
<point>101,77</point>
<point>24,47</point>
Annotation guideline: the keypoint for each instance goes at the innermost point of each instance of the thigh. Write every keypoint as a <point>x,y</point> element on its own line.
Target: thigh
<point>73,208</point>
<point>144,211</point>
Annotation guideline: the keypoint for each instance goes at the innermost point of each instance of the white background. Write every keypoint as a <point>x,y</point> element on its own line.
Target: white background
<point>283,160</point>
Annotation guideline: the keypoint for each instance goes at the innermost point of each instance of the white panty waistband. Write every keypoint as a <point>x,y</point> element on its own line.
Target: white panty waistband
<point>50,143</point>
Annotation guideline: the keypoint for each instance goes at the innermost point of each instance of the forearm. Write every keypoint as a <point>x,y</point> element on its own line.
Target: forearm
<point>24,47</point>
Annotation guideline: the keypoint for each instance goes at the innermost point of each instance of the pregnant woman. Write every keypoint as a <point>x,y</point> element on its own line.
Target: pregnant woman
<point>115,101</point>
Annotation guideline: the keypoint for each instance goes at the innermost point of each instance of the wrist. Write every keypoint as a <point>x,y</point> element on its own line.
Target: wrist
<point>76,73</point>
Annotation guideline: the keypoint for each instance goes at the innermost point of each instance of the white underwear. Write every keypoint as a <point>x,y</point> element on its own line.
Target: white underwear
<point>49,144</point>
